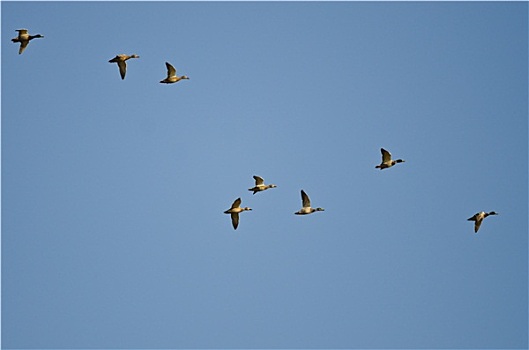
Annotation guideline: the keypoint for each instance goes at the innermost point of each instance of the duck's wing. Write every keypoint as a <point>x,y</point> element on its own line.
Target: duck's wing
<point>305,199</point>
<point>171,71</point>
<point>258,180</point>
<point>386,156</point>
<point>122,68</point>
<point>21,31</point>
<point>236,203</point>
<point>23,45</point>
<point>473,217</point>
<point>235,220</point>
<point>477,224</point>
<point>478,219</point>
<point>116,59</point>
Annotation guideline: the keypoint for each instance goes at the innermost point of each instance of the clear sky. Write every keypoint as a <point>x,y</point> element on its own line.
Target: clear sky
<point>113,191</point>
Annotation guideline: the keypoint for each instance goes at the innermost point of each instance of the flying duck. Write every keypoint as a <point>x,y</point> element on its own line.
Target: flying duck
<point>478,219</point>
<point>307,209</point>
<point>120,60</point>
<point>234,211</point>
<point>387,162</point>
<point>259,185</point>
<point>171,75</point>
<point>23,38</point>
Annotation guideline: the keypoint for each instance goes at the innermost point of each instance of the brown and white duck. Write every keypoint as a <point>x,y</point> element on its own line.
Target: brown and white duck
<point>260,185</point>
<point>234,212</point>
<point>171,75</point>
<point>478,219</point>
<point>121,61</point>
<point>306,209</point>
<point>24,38</point>
<point>387,162</point>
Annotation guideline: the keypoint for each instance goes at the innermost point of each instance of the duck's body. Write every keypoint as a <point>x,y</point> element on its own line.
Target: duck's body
<point>260,185</point>
<point>24,38</point>
<point>120,60</point>
<point>171,75</point>
<point>234,212</point>
<point>387,162</point>
<point>478,219</point>
<point>306,209</point>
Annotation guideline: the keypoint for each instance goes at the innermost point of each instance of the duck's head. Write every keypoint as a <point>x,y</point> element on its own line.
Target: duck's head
<point>184,77</point>
<point>246,208</point>
<point>272,186</point>
<point>400,161</point>
<point>493,213</point>
<point>134,56</point>
<point>320,209</point>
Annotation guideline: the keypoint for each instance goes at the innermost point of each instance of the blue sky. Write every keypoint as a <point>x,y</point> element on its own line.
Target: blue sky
<point>113,192</point>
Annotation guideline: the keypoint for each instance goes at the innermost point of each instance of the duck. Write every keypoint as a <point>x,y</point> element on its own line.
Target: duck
<point>387,162</point>
<point>234,212</point>
<point>478,219</point>
<point>24,38</point>
<point>306,209</point>
<point>120,60</point>
<point>171,75</point>
<point>259,185</point>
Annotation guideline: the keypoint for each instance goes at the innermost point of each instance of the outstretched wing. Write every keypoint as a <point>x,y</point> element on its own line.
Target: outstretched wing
<point>477,225</point>
<point>122,68</point>
<point>236,203</point>
<point>473,217</point>
<point>305,199</point>
<point>386,156</point>
<point>478,219</point>
<point>258,180</point>
<point>23,45</point>
<point>235,220</point>
<point>171,71</point>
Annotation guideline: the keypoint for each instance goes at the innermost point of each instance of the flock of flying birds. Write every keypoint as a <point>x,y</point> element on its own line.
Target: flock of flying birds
<point>306,208</point>
<point>24,38</point>
<point>387,162</point>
